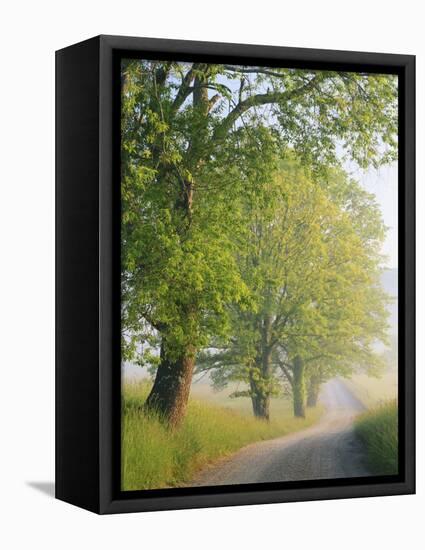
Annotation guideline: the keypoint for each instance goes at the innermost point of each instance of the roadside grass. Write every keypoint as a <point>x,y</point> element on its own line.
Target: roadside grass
<point>378,429</point>
<point>155,457</point>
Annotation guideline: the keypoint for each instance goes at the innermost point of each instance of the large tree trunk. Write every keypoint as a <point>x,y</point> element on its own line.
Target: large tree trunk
<point>313,391</point>
<point>260,400</point>
<point>261,406</point>
<point>170,392</point>
<point>260,386</point>
<point>298,387</point>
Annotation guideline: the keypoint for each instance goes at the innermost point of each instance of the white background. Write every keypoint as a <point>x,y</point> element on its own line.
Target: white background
<point>30,33</point>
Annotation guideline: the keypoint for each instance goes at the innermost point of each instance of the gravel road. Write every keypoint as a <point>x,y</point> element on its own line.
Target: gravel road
<point>328,449</point>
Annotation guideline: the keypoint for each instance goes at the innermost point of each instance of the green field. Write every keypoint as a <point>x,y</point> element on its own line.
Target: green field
<point>215,426</point>
<point>280,406</point>
<point>378,429</point>
<point>374,391</point>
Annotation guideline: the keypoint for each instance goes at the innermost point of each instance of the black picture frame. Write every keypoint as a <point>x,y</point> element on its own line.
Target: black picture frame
<point>88,401</point>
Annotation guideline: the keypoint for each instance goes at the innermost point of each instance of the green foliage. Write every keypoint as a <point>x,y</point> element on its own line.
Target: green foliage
<point>198,141</point>
<point>154,457</point>
<point>378,429</point>
<point>311,262</point>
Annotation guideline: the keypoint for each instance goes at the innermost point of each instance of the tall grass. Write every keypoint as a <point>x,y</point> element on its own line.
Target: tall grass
<point>155,457</point>
<point>378,429</point>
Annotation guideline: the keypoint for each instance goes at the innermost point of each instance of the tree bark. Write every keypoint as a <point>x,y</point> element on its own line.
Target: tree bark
<point>260,400</point>
<point>170,392</point>
<point>261,406</point>
<point>299,387</point>
<point>260,387</point>
<point>313,391</point>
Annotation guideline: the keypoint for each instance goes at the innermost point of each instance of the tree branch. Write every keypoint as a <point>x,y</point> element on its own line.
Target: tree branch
<point>258,70</point>
<point>185,88</point>
<point>256,101</point>
<point>286,372</point>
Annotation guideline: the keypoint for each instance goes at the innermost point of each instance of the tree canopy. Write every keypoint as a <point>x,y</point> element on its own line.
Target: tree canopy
<point>201,156</point>
<point>311,263</point>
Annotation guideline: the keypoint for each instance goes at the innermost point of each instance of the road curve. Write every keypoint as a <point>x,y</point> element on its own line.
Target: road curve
<point>328,449</point>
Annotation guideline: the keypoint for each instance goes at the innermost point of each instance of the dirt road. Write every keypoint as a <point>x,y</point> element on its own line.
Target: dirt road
<point>327,450</point>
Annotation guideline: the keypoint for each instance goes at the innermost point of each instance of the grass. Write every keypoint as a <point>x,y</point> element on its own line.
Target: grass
<point>155,457</point>
<point>374,391</point>
<point>203,392</point>
<point>378,429</point>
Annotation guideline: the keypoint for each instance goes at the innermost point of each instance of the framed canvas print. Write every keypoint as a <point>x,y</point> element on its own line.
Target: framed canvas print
<point>235,274</point>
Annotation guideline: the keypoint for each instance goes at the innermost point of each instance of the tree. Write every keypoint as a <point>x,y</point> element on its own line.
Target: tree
<point>193,137</point>
<point>311,263</point>
<point>346,306</point>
